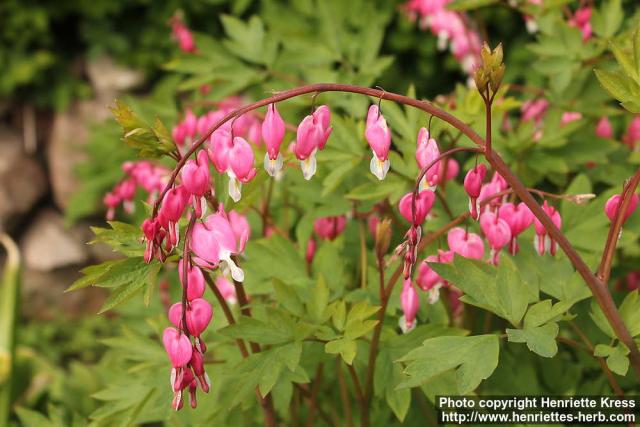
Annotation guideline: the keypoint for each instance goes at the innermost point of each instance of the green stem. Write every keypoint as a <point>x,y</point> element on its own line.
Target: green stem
<point>9,299</point>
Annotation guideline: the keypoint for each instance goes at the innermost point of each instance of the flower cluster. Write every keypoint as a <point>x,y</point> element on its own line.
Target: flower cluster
<point>451,28</point>
<point>141,174</point>
<point>215,241</point>
<point>212,241</point>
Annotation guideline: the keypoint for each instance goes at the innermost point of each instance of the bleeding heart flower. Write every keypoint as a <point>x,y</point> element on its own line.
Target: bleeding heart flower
<point>195,283</point>
<point>312,136</point>
<point>273,130</point>
<point>473,186</point>
<point>205,246</point>
<point>519,218</point>
<point>424,203</point>
<point>227,289</point>
<point>604,128</point>
<point>410,302</point>
<point>468,245</point>
<point>195,175</point>
<point>427,152</point>
<point>219,149</point>
<point>229,243</point>
<point>241,168</point>
<point>197,363</point>
<point>330,227</point>
<point>497,232</point>
<point>311,250</point>
<point>378,136</point>
<point>543,241</point>
<point>428,279</point>
<point>569,116</point>
<point>240,227</point>
<point>198,316</point>
<point>178,347</point>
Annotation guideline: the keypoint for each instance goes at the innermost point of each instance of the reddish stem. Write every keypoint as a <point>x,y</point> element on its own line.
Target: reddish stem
<point>616,227</point>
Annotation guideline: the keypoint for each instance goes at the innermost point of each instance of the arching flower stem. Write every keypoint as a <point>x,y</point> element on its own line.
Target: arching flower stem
<point>598,288</point>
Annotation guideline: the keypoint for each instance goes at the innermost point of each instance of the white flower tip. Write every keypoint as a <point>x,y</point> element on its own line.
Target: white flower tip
<point>235,189</point>
<point>403,325</point>
<point>236,272</point>
<point>308,167</point>
<point>379,168</point>
<point>273,166</point>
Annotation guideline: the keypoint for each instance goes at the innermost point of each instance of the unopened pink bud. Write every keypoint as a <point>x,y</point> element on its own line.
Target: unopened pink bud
<point>604,128</point>
<point>613,205</point>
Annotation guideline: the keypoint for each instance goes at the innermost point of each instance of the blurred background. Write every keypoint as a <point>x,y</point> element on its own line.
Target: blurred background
<point>63,64</point>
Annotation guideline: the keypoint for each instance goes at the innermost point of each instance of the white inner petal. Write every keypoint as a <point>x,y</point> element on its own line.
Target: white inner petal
<point>235,189</point>
<point>308,166</point>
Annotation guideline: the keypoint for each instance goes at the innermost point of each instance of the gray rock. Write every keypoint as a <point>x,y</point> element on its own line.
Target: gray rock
<point>22,181</point>
<point>108,78</point>
<point>48,245</point>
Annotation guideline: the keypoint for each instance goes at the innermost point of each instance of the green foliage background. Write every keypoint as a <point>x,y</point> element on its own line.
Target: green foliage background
<point>111,370</point>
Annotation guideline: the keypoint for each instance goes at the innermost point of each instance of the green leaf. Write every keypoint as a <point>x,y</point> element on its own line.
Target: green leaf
<point>512,293</point>
<point>607,19</point>
<point>345,347</point>
<point>502,291</point>
<point>30,418</point>
<point>121,294</point>
<point>150,142</point>
<point>636,51</point>
<point>474,359</point>
<point>319,300</point>
<point>617,359</point>
<point>338,314</point>
<point>544,312</point>
<point>122,237</point>
<point>540,339</point>
<point>600,320</point>
<point>630,312</point>
<point>626,61</point>
<point>255,330</point>
<point>616,83</point>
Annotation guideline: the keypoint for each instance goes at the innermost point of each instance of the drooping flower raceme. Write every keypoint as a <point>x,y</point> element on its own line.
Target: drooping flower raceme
<point>378,136</point>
